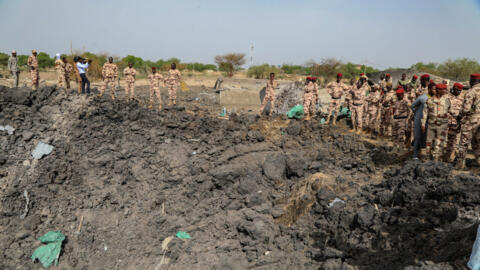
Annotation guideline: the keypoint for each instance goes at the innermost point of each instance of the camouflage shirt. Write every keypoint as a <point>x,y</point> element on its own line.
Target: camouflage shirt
<point>358,94</point>
<point>271,86</point>
<point>336,89</point>
<point>436,111</point>
<point>155,79</point>
<point>109,70</point>
<point>32,61</point>
<point>129,74</point>
<point>59,66</point>
<point>401,108</point>
<point>471,104</point>
<point>13,64</point>
<point>173,76</point>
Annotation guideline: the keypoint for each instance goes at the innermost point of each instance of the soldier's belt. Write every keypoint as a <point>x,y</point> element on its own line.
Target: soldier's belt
<point>336,98</point>
<point>400,117</point>
<point>357,104</point>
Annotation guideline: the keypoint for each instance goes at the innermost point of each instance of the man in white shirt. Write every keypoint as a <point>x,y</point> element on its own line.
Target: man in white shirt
<point>82,67</point>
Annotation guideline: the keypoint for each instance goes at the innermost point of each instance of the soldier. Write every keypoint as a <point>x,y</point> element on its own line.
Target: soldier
<point>423,88</point>
<point>172,81</point>
<point>68,71</point>
<point>453,134</point>
<point>109,74</point>
<point>269,94</point>
<point>348,96</point>
<point>470,120</point>
<point>32,63</point>
<point>403,81</point>
<point>386,110</point>
<point>358,99</point>
<point>78,77</point>
<point>60,69</point>
<point>410,96</point>
<point>414,82</point>
<point>365,105</point>
<point>335,90</point>
<point>437,113</point>
<point>382,82</point>
<point>309,95</point>
<point>155,79</point>
<point>400,111</point>
<point>129,73</point>
<point>373,100</point>
<point>13,68</point>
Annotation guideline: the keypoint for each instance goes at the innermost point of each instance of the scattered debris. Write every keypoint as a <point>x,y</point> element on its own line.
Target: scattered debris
<point>9,129</point>
<point>27,201</point>
<point>42,149</point>
<point>336,200</point>
<point>183,235</point>
<point>49,253</point>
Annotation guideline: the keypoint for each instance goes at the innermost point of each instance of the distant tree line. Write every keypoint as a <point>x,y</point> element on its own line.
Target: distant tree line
<point>457,70</point>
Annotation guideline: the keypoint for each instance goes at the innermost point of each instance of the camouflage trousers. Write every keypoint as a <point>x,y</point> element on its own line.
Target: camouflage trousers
<point>385,121</point>
<point>470,135</point>
<point>436,138</point>
<point>106,82</point>
<point>60,79</point>
<point>334,108</point>
<point>409,134</point>
<point>67,81</point>
<point>372,117</point>
<point>155,90</point>
<point>365,116</point>
<point>172,91</point>
<point>78,79</point>
<point>308,104</point>
<point>453,139</point>
<point>15,77</point>
<point>129,89</point>
<point>35,75</point>
<point>268,97</point>
<point>399,131</point>
<point>357,116</point>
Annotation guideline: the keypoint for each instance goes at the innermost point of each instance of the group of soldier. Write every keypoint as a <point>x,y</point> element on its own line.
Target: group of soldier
<point>440,124</point>
<point>109,76</point>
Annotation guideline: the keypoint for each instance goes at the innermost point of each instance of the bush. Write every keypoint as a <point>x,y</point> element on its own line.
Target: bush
<point>262,71</point>
<point>295,69</point>
<point>458,70</point>
<point>44,60</point>
<point>200,67</point>
<point>3,59</point>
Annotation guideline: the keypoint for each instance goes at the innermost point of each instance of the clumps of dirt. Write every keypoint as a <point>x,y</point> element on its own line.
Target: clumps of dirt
<point>292,195</point>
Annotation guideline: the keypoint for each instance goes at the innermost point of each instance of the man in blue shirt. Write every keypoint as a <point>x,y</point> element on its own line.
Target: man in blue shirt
<point>82,66</point>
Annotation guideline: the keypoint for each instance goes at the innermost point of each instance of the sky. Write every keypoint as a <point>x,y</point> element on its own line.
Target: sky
<point>378,33</point>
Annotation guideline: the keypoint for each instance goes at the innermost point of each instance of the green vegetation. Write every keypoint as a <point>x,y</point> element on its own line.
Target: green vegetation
<point>3,59</point>
<point>262,71</point>
<point>457,70</point>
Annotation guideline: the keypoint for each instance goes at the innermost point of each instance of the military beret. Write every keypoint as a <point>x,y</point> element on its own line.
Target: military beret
<point>441,86</point>
<point>154,68</point>
<point>425,76</point>
<point>400,90</point>
<point>339,74</point>
<point>388,75</point>
<point>475,76</point>
<point>458,85</point>
<point>415,76</point>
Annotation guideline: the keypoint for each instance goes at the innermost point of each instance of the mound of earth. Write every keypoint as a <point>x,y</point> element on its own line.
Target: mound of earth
<point>253,193</point>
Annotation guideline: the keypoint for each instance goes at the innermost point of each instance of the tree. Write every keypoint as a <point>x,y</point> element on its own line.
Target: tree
<point>458,70</point>
<point>44,60</point>
<point>230,62</point>
<point>262,71</point>
<point>427,68</point>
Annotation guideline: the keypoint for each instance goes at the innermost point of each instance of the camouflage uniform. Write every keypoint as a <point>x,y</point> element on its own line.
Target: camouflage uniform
<point>32,62</point>
<point>357,105</point>
<point>109,73</point>
<point>269,96</point>
<point>68,71</point>
<point>386,112</point>
<point>411,96</point>
<point>373,101</point>
<point>60,69</point>
<point>453,134</point>
<point>14,69</point>
<point>129,74</point>
<point>436,111</point>
<point>172,81</point>
<point>335,90</point>
<point>400,112</point>
<point>470,123</point>
<point>309,95</point>
<point>155,80</point>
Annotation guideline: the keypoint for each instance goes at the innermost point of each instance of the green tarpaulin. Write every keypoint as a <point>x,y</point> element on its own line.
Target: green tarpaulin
<point>295,112</point>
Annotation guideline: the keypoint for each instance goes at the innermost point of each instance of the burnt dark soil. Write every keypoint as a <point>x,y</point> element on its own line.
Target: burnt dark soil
<point>254,193</point>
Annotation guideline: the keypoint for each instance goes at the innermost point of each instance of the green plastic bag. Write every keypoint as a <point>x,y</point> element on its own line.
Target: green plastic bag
<point>345,111</point>
<point>322,121</point>
<point>47,254</point>
<point>183,235</point>
<point>295,112</point>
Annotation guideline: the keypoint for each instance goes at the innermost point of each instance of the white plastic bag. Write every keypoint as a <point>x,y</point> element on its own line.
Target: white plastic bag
<point>474,262</point>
